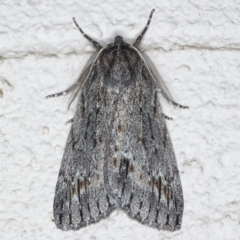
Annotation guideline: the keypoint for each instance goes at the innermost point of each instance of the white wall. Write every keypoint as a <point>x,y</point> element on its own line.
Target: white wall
<point>195,45</point>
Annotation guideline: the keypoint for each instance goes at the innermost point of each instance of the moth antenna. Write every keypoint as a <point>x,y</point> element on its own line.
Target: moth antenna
<point>96,44</point>
<point>139,38</point>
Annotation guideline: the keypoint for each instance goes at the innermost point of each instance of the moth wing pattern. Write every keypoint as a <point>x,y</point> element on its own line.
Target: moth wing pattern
<point>142,169</point>
<point>80,197</point>
<point>118,154</point>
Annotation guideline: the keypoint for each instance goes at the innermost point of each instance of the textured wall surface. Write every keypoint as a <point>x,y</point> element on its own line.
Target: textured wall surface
<point>195,45</point>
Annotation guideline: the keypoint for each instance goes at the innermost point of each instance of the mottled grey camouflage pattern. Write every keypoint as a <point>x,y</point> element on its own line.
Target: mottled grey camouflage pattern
<point>118,154</point>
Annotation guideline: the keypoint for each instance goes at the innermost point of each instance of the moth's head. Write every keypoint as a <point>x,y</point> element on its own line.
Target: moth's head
<point>118,40</point>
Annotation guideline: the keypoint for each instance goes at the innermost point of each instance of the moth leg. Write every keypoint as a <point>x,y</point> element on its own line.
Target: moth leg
<point>164,91</point>
<point>62,93</point>
<point>78,83</point>
<point>69,121</point>
<point>96,44</point>
<point>166,117</point>
<point>178,105</point>
<point>139,38</point>
<point>168,96</point>
<point>74,97</point>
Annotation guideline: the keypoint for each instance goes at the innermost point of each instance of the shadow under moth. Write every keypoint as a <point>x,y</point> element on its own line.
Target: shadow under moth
<point>118,154</point>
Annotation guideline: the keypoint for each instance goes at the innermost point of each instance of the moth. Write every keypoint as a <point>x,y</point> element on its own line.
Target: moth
<point>118,154</point>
